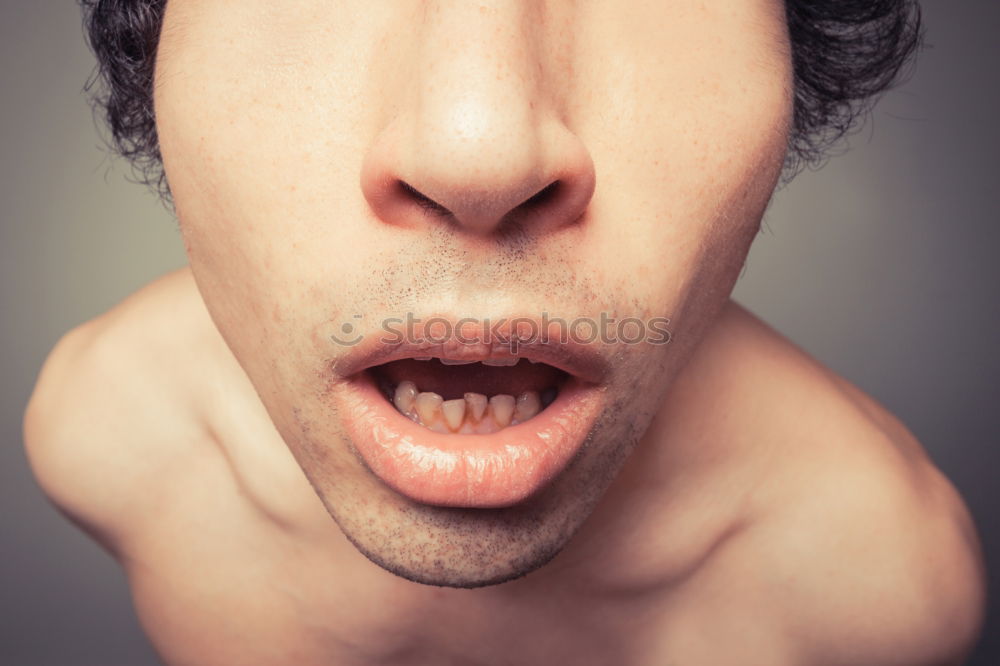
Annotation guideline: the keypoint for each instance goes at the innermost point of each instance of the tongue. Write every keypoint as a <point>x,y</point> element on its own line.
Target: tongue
<point>454,381</point>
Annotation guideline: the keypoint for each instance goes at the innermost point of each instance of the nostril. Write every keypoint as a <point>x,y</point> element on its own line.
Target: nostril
<point>543,182</point>
<point>422,200</point>
<point>543,196</point>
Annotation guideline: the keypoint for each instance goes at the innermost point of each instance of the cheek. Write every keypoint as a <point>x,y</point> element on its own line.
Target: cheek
<point>680,238</point>
<point>704,128</point>
<point>258,130</point>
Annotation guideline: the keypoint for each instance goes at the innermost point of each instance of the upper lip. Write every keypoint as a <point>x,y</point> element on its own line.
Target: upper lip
<point>584,361</point>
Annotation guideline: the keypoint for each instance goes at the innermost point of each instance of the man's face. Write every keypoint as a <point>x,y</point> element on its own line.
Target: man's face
<point>288,131</point>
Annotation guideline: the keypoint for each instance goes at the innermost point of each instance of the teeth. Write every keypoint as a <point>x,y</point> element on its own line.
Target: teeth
<point>428,407</point>
<point>451,361</point>
<point>527,406</point>
<point>502,362</point>
<point>502,408</point>
<point>454,413</point>
<point>406,394</point>
<point>422,358</point>
<point>476,406</point>
<point>468,414</point>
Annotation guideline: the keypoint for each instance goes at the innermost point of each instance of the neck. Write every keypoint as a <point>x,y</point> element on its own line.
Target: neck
<point>677,497</point>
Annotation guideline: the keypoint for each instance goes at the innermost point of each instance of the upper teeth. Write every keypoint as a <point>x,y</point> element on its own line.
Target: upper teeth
<point>502,361</point>
<point>471,414</point>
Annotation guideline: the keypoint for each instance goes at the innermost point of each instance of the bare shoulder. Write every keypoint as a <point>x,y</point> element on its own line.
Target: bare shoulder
<point>113,415</point>
<point>864,547</point>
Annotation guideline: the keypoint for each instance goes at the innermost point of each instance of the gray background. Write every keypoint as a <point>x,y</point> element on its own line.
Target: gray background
<point>883,265</point>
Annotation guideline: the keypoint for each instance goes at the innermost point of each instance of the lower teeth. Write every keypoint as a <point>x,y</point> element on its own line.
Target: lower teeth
<point>472,414</point>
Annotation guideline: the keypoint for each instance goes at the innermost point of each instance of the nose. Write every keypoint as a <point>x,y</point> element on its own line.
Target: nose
<point>476,134</point>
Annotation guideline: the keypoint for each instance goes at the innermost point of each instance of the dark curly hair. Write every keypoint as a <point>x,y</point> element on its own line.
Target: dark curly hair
<point>845,53</point>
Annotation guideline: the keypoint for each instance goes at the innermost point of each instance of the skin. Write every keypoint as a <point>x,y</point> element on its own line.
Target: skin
<point>479,109</point>
<point>734,498</point>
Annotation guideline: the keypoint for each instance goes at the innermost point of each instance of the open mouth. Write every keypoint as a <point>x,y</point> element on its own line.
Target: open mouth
<point>468,397</point>
<point>478,429</point>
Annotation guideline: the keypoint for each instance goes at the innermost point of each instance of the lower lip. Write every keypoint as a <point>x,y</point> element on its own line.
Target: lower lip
<point>476,471</point>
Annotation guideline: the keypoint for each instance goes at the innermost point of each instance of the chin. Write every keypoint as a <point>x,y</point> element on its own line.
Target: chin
<point>463,546</point>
